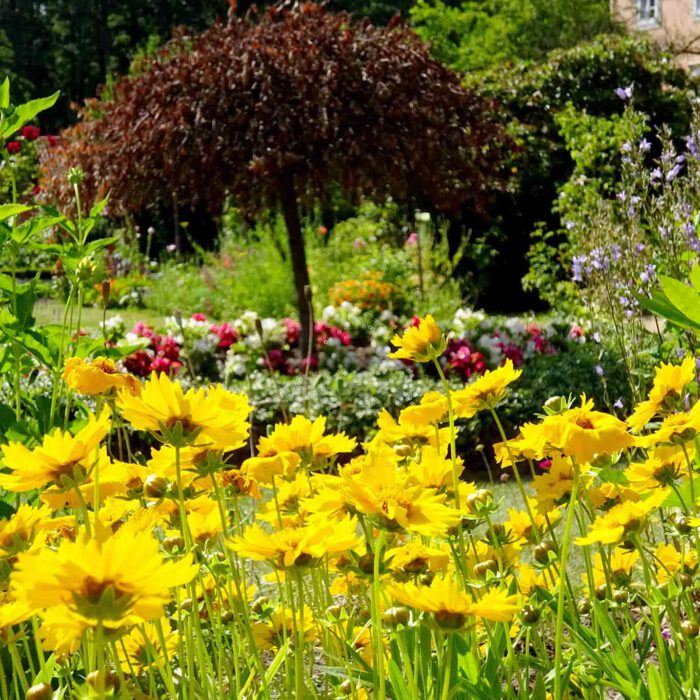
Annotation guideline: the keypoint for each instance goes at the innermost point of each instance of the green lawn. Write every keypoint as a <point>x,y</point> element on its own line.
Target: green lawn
<point>48,311</point>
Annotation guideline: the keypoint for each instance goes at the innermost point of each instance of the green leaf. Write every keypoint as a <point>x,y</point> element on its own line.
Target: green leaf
<point>661,306</point>
<point>24,113</point>
<point>398,684</point>
<point>695,277</point>
<point>9,210</point>
<point>98,208</point>
<point>683,297</point>
<point>656,687</point>
<point>673,500</point>
<point>5,94</point>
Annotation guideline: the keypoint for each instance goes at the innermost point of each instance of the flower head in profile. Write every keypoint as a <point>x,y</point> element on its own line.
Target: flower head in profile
<point>380,491</point>
<point>665,466</point>
<point>300,546</point>
<point>117,580</point>
<point>450,607</point>
<point>18,533</point>
<point>622,521</point>
<point>414,558</point>
<point>100,377</point>
<point>669,562</point>
<point>215,417</point>
<point>431,409</point>
<point>142,648</point>
<point>666,393</point>
<point>486,392</point>
<point>305,438</point>
<point>406,431</point>
<point>60,456</point>
<point>675,428</point>
<point>281,624</point>
<point>421,342</point>
<point>579,432</point>
<point>619,568</point>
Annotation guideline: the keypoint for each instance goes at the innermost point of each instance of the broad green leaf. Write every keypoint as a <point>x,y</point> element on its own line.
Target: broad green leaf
<point>683,297</point>
<point>656,687</point>
<point>661,306</point>
<point>24,113</point>
<point>673,500</point>
<point>695,277</point>
<point>5,94</point>
<point>9,210</point>
<point>98,208</point>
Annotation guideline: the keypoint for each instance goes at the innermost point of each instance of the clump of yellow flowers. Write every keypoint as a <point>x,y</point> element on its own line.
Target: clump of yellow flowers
<point>154,548</point>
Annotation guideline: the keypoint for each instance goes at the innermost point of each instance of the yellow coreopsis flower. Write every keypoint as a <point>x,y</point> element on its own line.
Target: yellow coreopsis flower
<point>281,624</point>
<point>422,342</point>
<point>530,579</point>
<point>264,469</point>
<point>431,409</point>
<point>305,438</point>
<point>118,580</point>
<point>18,533</point>
<point>676,428</point>
<point>669,561</point>
<point>519,525</point>
<point>98,378</point>
<point>622,562</point>
<point>380,491</point>
<point>451,607</point>
<point>142,648</point>
<point>669,383</point>
<point>621,521</point>
<point>554,486</point>
<point>433,470</point>
<point>301,546</point>
<point>406,432</point>
<point>486,392</point>
<point>664,467</point>
<point>60,456</point>
<point>414,557</point>
<point>215,418</point>
<point>579,432</point>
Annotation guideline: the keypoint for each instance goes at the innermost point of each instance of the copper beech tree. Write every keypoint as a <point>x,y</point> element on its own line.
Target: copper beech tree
<point>273,110</point>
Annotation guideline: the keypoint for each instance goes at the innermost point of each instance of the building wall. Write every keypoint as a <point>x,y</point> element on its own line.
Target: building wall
<point>677,27</point>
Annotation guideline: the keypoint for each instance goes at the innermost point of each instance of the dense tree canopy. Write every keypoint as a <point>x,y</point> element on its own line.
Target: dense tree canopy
<point>282,107</point>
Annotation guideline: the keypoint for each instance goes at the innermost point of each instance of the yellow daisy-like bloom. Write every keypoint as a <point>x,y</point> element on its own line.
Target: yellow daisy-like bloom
<point>669,383</point>
<point>431,409</point>
<point>264,469</point>
<point>307,439</point>
<point>290,499</point>
<point>669,562</point>
<point>214,417</point>
<point>422,342</point>
<point>113,481</point>
<point>530,579</point>
<point>98,378</point>
<point>141,648</point>
<point>281,624</point>
<point>486,392</point>
<point>414,557</point>
<point>361,641</point>
<point>204,527</point>
<point>301,546</point>
<point>18,533</point>
<point>664,467</point>
<point>676,428</point>
<point>60,455</point>
<point>554,486</point>
<point>519,524</point>
<point>622,520</point>
<point>451,607</point>
<point>117,579</point>
<point>579,432</point>
<point>380,491</point>
<point>607,495</point>
<point>405,432</point>
<point>432,471</point>
<point>622,562</point>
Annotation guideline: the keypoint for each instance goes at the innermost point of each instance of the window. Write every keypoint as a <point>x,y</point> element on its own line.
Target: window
<point>649,11</point>
<point>696,8</point>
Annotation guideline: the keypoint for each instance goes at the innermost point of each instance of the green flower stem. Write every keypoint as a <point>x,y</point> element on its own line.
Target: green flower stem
<point>563,558</point>
<point>378,647</point>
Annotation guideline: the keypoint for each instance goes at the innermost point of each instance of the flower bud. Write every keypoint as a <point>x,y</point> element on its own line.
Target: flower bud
<point>584,607</point>
<point>621,595</point>
<point>690,629</point>
<point>110,679</point>
<point>186,604</point>
<point>478,499</point>
<point>259,604</point>
<point>172,543</point>
<point>542,550</point>
<point>40,691</point>
<point>393,617</point>
<point>226,617</point>
<point>155,486</point>
<point>483,567</point>
<point>601,591</point>
<point>680,522</point>
<point>345,688</point>
<point>531,614</point>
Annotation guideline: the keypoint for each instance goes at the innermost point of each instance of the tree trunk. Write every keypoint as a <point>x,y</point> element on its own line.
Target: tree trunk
<point>290,210</point>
